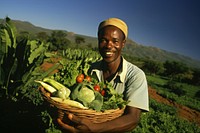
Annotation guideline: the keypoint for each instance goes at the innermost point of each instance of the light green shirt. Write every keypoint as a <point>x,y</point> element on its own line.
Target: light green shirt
<point>130,80</point>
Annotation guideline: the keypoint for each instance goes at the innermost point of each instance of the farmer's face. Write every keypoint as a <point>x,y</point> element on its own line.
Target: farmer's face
<point>111,41</point>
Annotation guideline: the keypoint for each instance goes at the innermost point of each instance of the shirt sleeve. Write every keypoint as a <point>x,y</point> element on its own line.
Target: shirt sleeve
<point>136,90</point>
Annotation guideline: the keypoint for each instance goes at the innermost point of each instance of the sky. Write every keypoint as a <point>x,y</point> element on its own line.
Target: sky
<point>171,25</point>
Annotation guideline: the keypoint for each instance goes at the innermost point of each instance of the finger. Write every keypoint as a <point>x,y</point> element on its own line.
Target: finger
<point>82,128</point>
<point>75,118</point>
<point>66,126</point>
<point>82,124</point>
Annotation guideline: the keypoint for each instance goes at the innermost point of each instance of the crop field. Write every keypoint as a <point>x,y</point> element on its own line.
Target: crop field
<point>174,105</point>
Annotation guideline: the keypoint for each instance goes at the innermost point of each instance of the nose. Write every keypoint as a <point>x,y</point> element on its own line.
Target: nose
<point>109,44</point>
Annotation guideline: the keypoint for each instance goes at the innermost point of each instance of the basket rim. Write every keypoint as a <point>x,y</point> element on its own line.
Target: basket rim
<point>93,115</point>
<point>66,107</point>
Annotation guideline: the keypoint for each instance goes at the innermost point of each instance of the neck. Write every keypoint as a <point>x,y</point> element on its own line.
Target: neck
<point>110,69</point>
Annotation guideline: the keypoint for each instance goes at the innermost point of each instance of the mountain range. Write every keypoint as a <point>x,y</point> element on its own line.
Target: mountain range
<point>132,48</point>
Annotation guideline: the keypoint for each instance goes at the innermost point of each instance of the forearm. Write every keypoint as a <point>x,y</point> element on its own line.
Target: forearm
<point>115,126</point>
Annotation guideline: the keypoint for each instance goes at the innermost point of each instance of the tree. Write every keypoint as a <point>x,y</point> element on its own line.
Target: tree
<point>152,67</point>
<point>174,68</point>
<point>196,77</point>
<point>79,40</point>
<point>58,40</point>
<point>185,76</point>
<point>42,36</point>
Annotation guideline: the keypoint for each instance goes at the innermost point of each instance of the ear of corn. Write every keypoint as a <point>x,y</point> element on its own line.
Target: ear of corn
<point>47,87</point>
<point>69,102</point>
<point>57,86</point>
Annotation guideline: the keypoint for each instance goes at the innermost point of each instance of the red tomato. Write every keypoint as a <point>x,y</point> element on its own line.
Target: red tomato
<point>88,78</point>
<point>80,78</point>
<point>103,92</point>
<point>97,88</point>
<point>81,75</point>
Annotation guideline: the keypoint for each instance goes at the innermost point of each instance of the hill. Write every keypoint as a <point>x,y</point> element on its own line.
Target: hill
<point>158,54</point>
<point>27,26</point>
<point>131,48</point>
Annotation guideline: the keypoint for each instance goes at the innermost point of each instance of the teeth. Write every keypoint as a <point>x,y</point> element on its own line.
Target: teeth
<point>108,53</point>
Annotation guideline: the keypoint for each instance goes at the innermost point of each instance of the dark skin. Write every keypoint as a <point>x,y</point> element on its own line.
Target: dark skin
<point>111,41</point>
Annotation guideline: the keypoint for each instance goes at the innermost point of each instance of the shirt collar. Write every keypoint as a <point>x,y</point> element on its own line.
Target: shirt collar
<point>121,73</point>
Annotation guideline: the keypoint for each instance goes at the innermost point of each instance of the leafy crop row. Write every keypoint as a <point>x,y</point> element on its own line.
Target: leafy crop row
<point>22,106</point>
<point>163,90</point>
<point>163,119</point>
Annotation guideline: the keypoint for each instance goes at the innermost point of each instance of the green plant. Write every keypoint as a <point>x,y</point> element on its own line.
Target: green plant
<point>18,58</point>
<point>173,87</point>
<point>163,119</point>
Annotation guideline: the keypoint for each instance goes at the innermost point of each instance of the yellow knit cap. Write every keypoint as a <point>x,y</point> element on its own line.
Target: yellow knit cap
<point>115,22</point>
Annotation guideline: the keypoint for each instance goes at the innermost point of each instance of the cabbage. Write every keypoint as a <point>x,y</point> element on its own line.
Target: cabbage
<point>86,95</point>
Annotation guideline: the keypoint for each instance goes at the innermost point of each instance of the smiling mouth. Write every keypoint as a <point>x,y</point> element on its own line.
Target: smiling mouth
<point>109,53</point>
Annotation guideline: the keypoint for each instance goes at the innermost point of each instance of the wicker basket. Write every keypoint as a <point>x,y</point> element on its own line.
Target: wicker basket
<point>94,116</point>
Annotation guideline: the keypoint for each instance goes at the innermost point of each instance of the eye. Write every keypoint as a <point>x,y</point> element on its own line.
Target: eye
<point>102,40</point>
<point>115,41</point>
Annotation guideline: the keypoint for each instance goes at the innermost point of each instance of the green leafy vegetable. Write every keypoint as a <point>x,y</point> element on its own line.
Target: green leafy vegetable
<point>86,95</point>
<point>97,103</point>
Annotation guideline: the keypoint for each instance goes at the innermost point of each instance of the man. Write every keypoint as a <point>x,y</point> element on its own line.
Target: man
<point>125,77</point>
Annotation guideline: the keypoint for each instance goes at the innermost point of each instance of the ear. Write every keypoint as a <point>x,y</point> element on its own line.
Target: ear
<point>123,43</point>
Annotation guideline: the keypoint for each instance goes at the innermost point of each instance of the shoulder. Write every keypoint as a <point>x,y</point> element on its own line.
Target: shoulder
<point>132,69</point>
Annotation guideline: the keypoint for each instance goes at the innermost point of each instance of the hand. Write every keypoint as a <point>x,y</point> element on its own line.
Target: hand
<point>80,125</point>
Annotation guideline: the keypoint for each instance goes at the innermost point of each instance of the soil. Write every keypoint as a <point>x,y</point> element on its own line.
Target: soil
<point>183,111</point>
<point>48,64</point>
